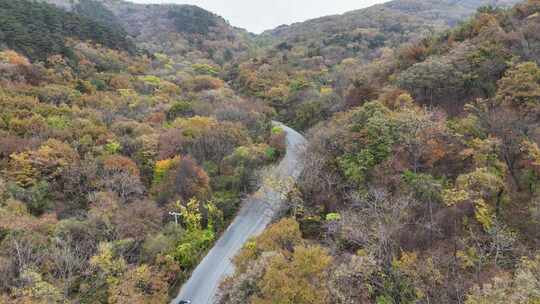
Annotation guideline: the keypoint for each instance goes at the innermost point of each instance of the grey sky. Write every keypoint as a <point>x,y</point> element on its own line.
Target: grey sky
<point>259,15</point>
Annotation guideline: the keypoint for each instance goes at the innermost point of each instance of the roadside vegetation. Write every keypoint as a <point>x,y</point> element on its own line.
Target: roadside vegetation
<point>97,147</point>
<point>421,174</point>
<point>424,187</point>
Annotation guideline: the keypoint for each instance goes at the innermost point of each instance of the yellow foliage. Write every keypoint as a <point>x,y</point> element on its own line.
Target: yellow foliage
<point>195,126</point>
<point>485,153</point>
<point>191,215</point>
<point>532,151</point>
<point>278,237</point>
<point>452,197</point>
<point>143,284</point>
<point>349,62</point>
<point>36,290</point>
<point>467,258</point>
<point>13,57</point>
<point>162,167</point>
<point>482,183</point>
<point>104,260</point>
<point>48,161</point>
<point>299,280</point>
<point>423,272</point>
<point>327,91</point>
<point>22,170</point>
<point>407,260</point>
<point>404,101</point>
<point>483,214</point>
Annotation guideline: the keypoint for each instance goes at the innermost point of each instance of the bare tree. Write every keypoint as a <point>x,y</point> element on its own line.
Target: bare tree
<point>375,221</point>
<point>20,254</point>
<point>124,184</point>
<point>68,260</point>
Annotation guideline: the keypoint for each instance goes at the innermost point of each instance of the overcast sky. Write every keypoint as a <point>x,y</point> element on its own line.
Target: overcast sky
<point>259,15</point>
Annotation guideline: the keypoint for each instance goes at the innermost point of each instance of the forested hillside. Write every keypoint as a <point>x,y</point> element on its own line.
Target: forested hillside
<point>420,181</point>
<point>39,30</point>
<point>97,147</point>
<point>186,33</point>
<point>426,189</point>
<point>310,70</point>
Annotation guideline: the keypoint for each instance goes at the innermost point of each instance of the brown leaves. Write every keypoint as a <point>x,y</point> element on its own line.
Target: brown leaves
<point>182,180</point>
<point>204,83</point>
<point>15,216</point>
<point>138,220</point>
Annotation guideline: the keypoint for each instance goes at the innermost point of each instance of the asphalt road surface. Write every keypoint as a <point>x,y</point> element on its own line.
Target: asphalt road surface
<point>256,213</point>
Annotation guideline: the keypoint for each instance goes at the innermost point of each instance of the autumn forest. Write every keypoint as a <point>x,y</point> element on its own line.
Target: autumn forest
<point>131,136</point>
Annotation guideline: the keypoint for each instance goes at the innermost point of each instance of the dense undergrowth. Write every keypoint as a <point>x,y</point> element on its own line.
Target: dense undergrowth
<point>424,188</point>
<point>96,150</point>
<point>421,176</point>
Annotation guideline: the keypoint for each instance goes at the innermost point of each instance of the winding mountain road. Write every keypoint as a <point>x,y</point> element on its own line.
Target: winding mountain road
<point>256,213</point>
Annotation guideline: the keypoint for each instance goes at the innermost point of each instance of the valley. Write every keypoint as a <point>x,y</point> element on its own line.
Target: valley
<point>256,213</point>
<point>405,167</point>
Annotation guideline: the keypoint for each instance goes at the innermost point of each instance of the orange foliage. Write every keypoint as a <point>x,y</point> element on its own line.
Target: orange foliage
<point>120,81</point>
<point>204,82</point>
<point>184,179</point>
<point>120,164</point>
<point>13,57</point>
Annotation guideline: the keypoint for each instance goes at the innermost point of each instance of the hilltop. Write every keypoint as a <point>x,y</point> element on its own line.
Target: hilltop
<point>40,30</point>
<point>309,70</point>
<point>186,33</point>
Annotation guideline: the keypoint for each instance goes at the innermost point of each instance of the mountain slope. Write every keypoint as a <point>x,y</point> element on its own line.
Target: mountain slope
<point>39,30</point>
<point>97,146</point>
<point>407,196</point>
<point>395,15</point>
<point>186,33</point>
<point>309,70</point>
<point>424,191</point>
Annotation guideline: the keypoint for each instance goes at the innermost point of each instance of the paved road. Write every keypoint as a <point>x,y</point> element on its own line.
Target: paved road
<point>257,212</point>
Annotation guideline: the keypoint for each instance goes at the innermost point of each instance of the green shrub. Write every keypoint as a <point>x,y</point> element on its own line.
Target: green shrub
<point>180,109</point>
<point>36,198</point>
<point>192,246</point>
<point>205,69</point>
<point>276,130</point>
<point>113,147</point>
<point>333,217</point>
<point>424,186</point>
